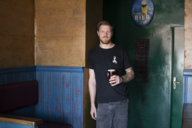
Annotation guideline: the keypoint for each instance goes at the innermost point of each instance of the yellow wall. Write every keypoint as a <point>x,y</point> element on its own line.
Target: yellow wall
<point>188,34</point>
<point>16,33</point>
<point>60,32</point>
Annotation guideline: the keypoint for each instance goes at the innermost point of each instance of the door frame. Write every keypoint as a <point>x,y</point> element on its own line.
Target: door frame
<point>173,27</point>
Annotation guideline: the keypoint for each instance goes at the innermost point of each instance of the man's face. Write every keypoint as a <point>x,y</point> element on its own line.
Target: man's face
<point>105,34</point>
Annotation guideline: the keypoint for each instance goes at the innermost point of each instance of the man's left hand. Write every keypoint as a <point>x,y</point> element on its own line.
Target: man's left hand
<point>115,80</point>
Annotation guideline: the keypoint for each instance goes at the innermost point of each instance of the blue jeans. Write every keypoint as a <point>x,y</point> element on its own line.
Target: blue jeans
<point>113,114</point>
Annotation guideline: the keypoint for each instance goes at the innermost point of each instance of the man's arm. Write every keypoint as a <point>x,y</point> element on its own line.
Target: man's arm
<point>129,75</point>
<point>126,78</point>
<point>92,92</point>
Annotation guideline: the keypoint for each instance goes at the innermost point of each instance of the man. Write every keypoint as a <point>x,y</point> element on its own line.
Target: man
<point>111,94</point>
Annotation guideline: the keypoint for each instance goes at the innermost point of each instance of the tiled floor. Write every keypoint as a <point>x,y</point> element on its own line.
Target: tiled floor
<point>187,116</point>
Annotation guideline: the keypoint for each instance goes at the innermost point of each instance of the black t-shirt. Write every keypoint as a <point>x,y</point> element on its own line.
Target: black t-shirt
<point>100,60</point>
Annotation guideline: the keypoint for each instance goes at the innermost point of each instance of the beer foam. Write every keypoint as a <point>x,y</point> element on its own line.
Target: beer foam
<point>144,2</point>
<point>111,70</point>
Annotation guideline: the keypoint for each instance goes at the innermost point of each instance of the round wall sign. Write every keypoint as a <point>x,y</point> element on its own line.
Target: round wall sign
<point>142,12</point>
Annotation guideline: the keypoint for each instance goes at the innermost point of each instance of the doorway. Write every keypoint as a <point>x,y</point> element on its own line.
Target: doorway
<point>177,76</point>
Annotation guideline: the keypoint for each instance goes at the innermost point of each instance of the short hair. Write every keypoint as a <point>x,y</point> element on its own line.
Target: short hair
<point>104,22</point>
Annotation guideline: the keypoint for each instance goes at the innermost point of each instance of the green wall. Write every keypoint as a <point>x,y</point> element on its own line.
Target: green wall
<point>150,101</point>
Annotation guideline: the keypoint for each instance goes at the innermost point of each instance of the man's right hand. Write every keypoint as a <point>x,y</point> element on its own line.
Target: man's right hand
<point>93,112</point>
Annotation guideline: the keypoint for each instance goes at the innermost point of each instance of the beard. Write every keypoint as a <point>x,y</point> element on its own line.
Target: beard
<point>105,40</point>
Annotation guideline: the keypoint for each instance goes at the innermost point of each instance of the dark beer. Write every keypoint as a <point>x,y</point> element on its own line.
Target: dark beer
<point>110,73</point>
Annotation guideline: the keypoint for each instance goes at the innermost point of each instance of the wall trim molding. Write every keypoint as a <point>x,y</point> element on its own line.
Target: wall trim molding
<point>187,72</point>
<point>17,69</point>
<point>41,68</point>
<point>59,68</point>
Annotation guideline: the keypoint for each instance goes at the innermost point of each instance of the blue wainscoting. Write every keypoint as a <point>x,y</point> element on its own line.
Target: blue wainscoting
<point>60,92</point>
<point>19,74</point>
<point>187,74</point>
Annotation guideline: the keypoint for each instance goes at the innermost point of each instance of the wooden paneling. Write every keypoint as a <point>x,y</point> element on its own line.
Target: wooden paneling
<point>188,33</point>
<point>187,86</point>
<point>16,33</point>
<point>60,97</point>
<point>60,94</point>
<point>60,32</point>
<point>19,74</point>
<point>187,116</point>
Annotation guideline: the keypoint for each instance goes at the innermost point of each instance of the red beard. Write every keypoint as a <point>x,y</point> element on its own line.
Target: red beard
<point>105,40</point>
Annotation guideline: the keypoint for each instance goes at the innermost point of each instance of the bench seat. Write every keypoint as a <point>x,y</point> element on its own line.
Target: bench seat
<point>47,124</point>
<point>12,121</point>
<point>19,95</point>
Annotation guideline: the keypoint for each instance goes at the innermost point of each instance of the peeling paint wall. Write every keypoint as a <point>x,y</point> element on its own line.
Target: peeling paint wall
<point>60,32</point>
<point>149,101</point>
<point>16,33</point>
<point>188,34</point>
